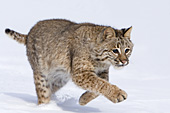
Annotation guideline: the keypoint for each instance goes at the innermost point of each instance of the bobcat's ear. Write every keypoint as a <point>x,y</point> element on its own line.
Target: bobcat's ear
<point>128,32</point>
<point>108,33</point>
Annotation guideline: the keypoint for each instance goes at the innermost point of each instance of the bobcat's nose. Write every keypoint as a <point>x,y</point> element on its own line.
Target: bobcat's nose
<point>123,62</point>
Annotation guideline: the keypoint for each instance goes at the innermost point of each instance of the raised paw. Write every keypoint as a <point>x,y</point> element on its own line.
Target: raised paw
<point>120,96</point>
<point>116,95</point>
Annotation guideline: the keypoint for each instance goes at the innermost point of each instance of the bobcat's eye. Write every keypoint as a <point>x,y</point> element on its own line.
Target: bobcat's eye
<point>115,51</point>
<point>127,50</point>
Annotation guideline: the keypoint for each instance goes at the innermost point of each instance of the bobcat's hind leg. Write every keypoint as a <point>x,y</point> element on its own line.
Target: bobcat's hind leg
<point>88,96</point>
<point>42,89</point>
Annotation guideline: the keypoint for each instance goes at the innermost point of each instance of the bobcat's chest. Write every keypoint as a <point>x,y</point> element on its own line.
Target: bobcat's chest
<point>100,66</point>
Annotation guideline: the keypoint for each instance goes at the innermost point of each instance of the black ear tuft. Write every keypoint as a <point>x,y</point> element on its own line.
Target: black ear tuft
<point>124,30</point>
<point>127,32</point>
<point>128,28</point>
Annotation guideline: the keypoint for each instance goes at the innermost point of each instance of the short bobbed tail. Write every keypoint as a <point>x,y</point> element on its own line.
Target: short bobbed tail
<point>21,38</point>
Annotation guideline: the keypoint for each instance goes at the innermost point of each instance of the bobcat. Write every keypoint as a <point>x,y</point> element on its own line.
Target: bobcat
<point>59,50</point>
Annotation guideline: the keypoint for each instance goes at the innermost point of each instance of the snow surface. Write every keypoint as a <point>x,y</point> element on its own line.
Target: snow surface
<point>146,79</point>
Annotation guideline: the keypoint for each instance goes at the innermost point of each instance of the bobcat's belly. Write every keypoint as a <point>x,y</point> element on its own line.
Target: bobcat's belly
<point>58,77</point>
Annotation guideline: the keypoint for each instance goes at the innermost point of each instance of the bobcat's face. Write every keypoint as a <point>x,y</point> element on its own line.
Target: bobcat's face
<point>116,48</point>
<point>119,54</point>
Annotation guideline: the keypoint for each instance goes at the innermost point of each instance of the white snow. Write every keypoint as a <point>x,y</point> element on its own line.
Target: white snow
<point>146,79</point>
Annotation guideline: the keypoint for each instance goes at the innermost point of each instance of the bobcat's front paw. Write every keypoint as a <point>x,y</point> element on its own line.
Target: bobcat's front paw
<point>118,95</point>
<point>87,97</point>
<point>121,96</point>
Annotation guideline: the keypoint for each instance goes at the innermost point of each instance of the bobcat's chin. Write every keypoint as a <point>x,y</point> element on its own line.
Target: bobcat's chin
<point>118,67</point>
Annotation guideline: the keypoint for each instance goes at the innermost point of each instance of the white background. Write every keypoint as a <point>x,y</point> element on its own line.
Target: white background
<point>146,79</point>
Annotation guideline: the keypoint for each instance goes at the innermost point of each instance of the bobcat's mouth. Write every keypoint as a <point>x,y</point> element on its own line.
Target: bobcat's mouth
<point>118,64</point>
<point>121,64</point>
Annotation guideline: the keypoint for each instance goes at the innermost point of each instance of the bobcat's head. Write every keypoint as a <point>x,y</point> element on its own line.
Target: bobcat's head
<point>114,46</point>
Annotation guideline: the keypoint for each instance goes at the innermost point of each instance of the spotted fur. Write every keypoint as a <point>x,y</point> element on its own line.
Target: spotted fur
<point>21,38</point>
<point>59,50</point>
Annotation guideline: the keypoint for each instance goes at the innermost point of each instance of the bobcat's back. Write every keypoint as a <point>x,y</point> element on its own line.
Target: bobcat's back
<point>49,42</point>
